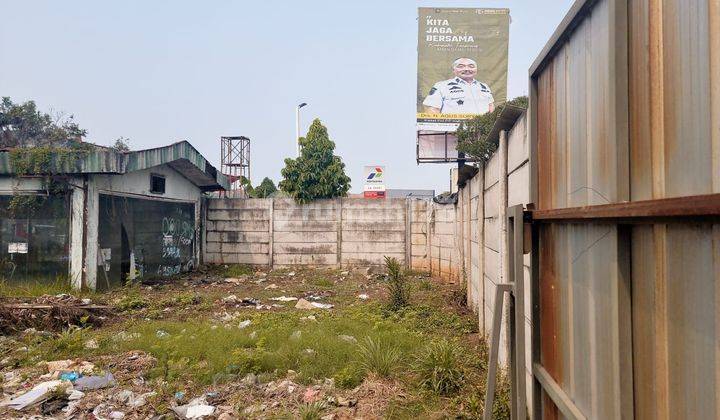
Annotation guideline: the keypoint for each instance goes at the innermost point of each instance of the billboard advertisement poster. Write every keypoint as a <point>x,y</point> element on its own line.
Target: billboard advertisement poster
<point>374,181</point>
<point>462,64</point>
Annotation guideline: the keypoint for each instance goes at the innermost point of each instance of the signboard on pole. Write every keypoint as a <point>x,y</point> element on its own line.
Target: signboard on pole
<point>374,182</point>
<point>462,65</point>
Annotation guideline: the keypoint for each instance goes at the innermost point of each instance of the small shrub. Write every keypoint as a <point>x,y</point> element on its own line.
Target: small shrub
<point>439,367</point>
<point>397,285</point>
<point>348,377</point>
<point>311,411</point>
<point>378,356</point>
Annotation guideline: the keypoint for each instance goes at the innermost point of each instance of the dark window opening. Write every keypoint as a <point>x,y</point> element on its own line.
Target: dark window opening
<point>157,184</point>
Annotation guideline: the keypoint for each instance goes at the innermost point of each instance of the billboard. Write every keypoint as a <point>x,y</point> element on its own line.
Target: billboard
<point>462,64</point>
<point>374,181</point>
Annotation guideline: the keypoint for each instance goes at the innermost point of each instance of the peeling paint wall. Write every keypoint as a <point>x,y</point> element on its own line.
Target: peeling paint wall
<point>84,253</point>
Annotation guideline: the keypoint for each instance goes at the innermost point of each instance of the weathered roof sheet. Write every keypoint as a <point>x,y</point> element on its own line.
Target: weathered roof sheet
<point>181,156</point>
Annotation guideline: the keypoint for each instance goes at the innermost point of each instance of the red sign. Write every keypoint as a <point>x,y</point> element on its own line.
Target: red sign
<point>374,194</point>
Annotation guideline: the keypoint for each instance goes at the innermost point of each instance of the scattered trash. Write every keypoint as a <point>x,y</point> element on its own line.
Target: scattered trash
<point>69,376</point>
<point>179,395</point>
<point>344,273</point>
<point>94,382</point>
<point>244,324</point>
<point>75,395</point>
<point>322,305</point>
<point>291,274</point>
<point>308,318</point>
<point>116,415</point>
<point>271,286</point>
<point>38,394</point>
<point>86,301</point>
<point>195,409</point>
<point>59,365</point>
<point>162,334</point>
<point>92,344</point>
<point>230,299</point>
<point>234,280</point>
<point>311,395</point>
<point>348,338</point>
<point>304,304</point>
<point>284,299</point>
<point>53,405</point>
<point>363,296</point>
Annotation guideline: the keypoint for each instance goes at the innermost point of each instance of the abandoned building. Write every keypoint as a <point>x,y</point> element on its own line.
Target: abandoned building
<point>122,215</point>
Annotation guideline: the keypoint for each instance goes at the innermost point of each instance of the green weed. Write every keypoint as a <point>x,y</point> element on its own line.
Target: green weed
<point>439,367</point>
<point>311,411</point>
<point>379,356</point>
<point>397,285</point>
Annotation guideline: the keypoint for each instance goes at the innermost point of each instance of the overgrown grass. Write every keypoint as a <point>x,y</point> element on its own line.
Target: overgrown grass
<point>440,368</point>
<point>379,356</point>
<point>238,270</point>
<point>205,352</point>
<point>35,288</point>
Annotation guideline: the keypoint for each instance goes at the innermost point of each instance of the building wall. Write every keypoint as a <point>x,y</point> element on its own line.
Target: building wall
<point>84,208</point>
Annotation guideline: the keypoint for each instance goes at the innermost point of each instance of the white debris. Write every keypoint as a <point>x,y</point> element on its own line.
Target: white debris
<point>363,296</point>
<point>322,305</point>
<point>38,394</point>
<point>284,299</point>
<point>244,324</point>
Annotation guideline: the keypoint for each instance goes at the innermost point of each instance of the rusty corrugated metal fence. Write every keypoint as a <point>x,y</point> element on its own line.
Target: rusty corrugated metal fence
<point>625,108</point>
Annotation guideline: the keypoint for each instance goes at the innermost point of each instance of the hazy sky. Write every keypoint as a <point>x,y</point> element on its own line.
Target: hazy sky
<point>162,71</point>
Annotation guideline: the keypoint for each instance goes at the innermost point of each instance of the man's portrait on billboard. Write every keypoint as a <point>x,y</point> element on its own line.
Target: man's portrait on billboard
<point>462,94</point>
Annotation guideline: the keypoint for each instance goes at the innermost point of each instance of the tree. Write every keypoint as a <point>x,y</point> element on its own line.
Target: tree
<point>122,144</point>
<point>265,189</point>
<point>473,134</point>
<point>317,173</point>
<point>22,125</point>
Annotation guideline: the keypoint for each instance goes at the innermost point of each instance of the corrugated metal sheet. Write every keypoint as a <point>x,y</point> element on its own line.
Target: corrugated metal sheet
<point>105,160</point>
<point>593,330</point>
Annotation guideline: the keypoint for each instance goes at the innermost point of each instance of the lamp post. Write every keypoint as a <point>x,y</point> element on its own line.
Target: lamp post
<point>297,127</point>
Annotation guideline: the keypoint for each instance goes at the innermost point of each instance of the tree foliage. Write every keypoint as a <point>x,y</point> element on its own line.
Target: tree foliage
<point>265,189</point>
<point>22,125</point>
<point>122,144</point>
<point>317,173</point>
<point>473,134</point>
<point>41,145</point>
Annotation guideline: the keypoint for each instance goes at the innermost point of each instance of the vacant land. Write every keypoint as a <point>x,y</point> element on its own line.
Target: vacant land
<point>246,343</point>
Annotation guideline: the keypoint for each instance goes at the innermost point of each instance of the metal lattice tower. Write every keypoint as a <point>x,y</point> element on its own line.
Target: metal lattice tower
<point>235,162</point>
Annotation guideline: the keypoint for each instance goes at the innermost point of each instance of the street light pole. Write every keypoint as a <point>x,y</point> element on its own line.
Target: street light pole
<point>297,127</point>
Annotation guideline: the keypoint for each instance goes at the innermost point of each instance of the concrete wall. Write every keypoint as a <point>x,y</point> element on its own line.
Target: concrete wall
<point>481,226</point>
<point>340,232</point>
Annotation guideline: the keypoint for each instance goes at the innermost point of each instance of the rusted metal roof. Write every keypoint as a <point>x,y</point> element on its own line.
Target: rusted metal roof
<point>181,156</point>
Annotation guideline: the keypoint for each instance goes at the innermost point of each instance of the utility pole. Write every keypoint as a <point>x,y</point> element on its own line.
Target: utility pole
<point>297,127</point>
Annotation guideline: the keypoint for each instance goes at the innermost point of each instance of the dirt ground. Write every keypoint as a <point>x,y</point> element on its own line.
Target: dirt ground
<point>233,342</point>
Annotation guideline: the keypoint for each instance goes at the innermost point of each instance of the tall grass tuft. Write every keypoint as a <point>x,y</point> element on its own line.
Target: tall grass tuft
<point>311,411</point>
<point>397,285</point>
<point>378,356</point>
<point>439,367</point>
